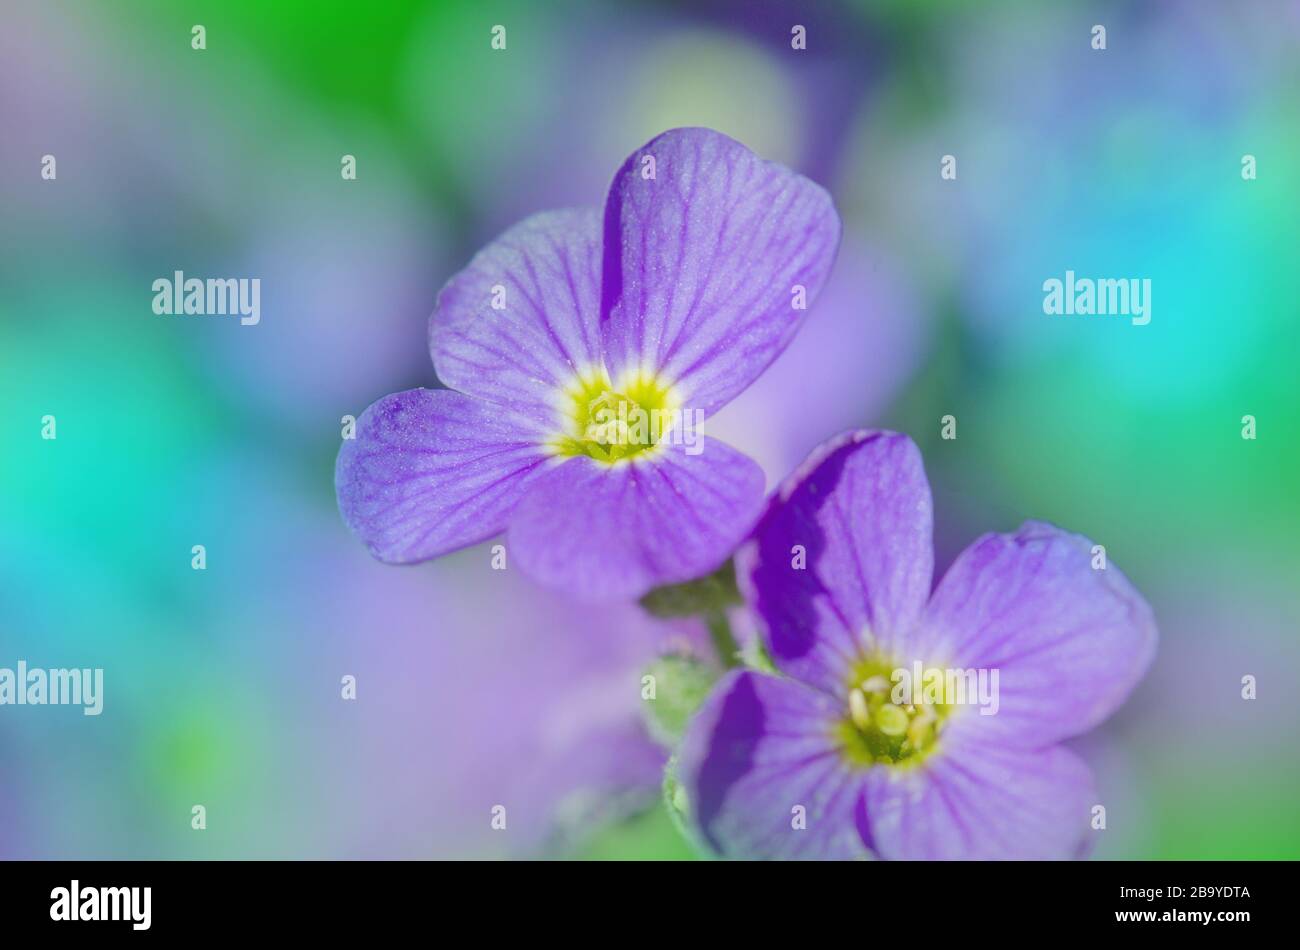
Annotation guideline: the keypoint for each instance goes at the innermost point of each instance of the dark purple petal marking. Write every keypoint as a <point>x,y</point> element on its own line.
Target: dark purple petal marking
<point>700,263</point>
<point>1069,641</point>
<point>431,471</point>
<point>760,747</point>
<point>982,801</point>
<point>602,532</point>
<point>522,356</point>
<point>859,509</point>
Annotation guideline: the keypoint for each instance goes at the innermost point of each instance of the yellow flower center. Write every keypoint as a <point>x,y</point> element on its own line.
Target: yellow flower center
<point>611,423</point>
<point>886,725</point>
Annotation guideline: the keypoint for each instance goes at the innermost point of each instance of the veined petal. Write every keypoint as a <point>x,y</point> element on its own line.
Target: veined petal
<point>430,471</point>
<point>703,261</point>
<point>1069,641</point>
<point>544,273</point>
<point>764,777</point>
<point>982,801</point>
<point>606,532</point>
<point>840,563</point>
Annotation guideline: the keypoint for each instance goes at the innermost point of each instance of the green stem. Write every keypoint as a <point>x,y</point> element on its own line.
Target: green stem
<point>724,643</point>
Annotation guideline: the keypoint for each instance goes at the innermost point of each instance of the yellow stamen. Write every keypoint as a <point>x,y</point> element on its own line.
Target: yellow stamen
<point>858,709</point>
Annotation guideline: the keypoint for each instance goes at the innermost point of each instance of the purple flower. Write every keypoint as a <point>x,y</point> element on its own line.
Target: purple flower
<point>825,761</point>
<point>581,349</point>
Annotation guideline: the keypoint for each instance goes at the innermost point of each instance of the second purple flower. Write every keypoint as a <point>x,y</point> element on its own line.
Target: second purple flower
<point>847,753</point>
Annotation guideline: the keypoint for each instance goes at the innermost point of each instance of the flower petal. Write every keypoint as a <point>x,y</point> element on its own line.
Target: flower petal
<point>866,338</point>
<point>701,262</point>
<point>546,273</point>
<point>760,748</point>
<point>975,801</point>
<point>841,561</point>
<point>1069,642</point>
<point>430,471</point>
<point>605,532</point>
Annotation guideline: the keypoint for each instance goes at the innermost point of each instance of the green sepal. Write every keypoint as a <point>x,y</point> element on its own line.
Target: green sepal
<point>710,594</point>
<point>681,683</point>
<point>678,807</point>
